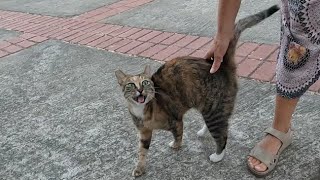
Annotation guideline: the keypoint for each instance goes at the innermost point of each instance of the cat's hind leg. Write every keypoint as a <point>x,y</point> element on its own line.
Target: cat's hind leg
<point>217,123</point>
<point>202,132</point>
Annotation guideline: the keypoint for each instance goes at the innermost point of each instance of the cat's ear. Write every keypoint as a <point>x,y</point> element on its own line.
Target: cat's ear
<point>147,70</point>
<point>120,76</point>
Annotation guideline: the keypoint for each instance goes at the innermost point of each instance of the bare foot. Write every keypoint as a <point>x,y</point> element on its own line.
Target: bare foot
<point>270,144</point>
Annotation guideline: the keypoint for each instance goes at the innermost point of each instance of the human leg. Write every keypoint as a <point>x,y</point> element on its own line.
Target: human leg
<point>282,121</point>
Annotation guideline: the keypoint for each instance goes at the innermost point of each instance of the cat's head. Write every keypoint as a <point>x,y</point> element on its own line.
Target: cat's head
<point>137,89</point>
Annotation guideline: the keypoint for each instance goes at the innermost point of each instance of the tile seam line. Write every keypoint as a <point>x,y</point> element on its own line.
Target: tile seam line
<point>247,56</point>
<point>141,28</point>
<point>244,57</point>
<point>66,18</point>
<point>262,60</point>
<point>132,55</point>
<point>168,37</point>
<point>74,18</point>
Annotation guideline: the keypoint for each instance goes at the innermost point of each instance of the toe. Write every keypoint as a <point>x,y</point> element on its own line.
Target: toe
<point>261,167</point>
<point>255,162</point>
<point>250,159</point>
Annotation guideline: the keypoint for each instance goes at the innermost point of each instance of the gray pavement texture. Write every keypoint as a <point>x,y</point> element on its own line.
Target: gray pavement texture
<point>63,116</point>
<point>198,18</point>
<point>5,34</point>
<point>60,8</point>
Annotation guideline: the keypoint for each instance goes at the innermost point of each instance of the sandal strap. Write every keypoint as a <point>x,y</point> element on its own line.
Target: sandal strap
<point>264,156</point>
<point>283,137</point>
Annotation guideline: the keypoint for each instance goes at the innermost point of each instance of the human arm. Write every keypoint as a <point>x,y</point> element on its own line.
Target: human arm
<point>227,12</point>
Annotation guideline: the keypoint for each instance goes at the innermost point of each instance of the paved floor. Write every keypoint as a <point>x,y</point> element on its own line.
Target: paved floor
<point>197,18</point>
<point>62,115</point>
<point>5,34</point>
<point>57,8</point>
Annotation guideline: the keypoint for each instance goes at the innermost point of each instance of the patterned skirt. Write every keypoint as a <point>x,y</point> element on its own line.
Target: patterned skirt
<point>298,64</point>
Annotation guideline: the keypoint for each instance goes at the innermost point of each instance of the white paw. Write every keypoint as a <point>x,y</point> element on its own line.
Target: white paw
<point>216,158</point>
<point>174,145</point>
<point>138,171</point>
<point>171,144</point>
<point>202,131</point>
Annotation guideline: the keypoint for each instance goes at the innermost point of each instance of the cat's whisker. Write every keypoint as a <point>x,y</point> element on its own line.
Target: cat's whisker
<point>155,92</point>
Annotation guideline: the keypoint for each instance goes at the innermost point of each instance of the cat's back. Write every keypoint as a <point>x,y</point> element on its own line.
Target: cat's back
<point>183,68</point>
<point>192,74</point>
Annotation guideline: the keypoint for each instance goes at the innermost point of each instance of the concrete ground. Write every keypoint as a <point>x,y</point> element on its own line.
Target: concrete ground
<point>190,17</point>
<point>61,8</point>
<point>198,18</point>
<point>63,116</point>
<point>5,34</point>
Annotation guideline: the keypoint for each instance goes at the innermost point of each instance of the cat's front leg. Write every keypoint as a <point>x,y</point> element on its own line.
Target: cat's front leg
<point>177,132</point>
<point>145,140</point>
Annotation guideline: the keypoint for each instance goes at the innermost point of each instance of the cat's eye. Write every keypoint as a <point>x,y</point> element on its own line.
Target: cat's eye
<point>145,83</point>
<point>130,86</point>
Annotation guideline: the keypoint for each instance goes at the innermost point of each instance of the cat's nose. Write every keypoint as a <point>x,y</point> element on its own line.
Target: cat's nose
<point>140,90</point>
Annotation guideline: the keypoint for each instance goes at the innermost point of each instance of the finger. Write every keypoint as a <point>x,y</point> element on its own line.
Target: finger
<point>212,70</point>
<point>209,54</point>
<point>215,66</point>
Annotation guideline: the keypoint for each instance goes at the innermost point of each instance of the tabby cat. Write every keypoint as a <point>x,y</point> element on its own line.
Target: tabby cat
<point>159,100</point>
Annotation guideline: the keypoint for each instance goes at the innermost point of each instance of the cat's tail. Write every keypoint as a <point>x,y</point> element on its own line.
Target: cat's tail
<point>245,23</point>
<point>252,20</point>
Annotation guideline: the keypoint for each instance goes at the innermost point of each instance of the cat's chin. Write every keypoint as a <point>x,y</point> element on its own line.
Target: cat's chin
<point>141,104</point>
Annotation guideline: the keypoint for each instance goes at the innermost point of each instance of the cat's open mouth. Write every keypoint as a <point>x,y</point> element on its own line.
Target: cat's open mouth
<point>140,99</point>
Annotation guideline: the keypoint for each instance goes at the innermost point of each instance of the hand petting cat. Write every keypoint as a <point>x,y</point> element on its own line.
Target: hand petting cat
<point>227,13</point>
<point>217,51</point>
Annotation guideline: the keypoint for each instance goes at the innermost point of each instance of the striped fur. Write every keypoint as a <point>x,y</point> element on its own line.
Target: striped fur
<point>181,84</point>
